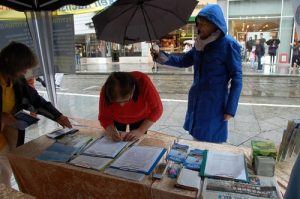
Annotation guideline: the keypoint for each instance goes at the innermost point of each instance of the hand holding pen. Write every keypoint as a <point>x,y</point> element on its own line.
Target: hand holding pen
<point>113,133</point>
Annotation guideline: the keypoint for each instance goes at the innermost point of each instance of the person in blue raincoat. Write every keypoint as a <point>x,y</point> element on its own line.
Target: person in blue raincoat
<point>214,94</point>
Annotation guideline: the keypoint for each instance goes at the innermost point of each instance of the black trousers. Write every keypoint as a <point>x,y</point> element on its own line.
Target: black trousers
<point>132,126</point>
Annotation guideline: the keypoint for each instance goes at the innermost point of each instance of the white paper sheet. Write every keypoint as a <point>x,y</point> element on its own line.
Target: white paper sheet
<point>225,165</point>
<point>105,147</point>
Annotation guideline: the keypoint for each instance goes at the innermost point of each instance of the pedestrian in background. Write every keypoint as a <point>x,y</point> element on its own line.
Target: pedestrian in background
<point>128,98</point>
<point>16,94</point>
<point>296,55</point>
<point>252,57</point>
<point>272,50</point>
<point>259,52</point>
<point>214,94</point>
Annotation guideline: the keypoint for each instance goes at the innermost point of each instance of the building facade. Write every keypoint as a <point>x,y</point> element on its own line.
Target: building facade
<point>255,19</point>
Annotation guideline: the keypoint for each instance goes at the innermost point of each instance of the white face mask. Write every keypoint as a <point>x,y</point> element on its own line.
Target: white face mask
<point>200,44</point>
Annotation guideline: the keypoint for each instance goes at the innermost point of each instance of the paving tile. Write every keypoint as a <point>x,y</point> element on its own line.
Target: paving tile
<point>274,135</point>
<point>236,139</point>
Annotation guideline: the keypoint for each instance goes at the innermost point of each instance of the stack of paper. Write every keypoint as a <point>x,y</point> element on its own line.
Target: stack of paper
<point>189,179</point>
<point>105,147</point>
<point>141,159</point>
<point>125,174</point>
<point>91,162</point>
<point>226,165</point>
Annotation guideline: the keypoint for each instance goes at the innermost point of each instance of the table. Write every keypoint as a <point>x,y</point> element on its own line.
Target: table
<point>43,179</point>
<point>6,192</point>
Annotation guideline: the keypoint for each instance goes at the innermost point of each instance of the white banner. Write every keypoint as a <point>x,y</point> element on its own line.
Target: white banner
<point>296,9</point>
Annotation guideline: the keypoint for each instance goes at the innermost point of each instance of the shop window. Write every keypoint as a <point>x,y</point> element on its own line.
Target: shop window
<point>131,50</point>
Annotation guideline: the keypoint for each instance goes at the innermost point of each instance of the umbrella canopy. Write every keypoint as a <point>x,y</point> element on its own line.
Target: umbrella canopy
<point>38,5</point>
<point>270,41</point>
<point>131,21</point>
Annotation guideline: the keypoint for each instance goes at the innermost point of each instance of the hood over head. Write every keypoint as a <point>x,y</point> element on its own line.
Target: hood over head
<point>214,14</point>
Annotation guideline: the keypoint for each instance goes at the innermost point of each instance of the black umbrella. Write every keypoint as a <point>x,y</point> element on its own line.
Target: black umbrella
<point>270,41</point>
<point>39,5</point>
<point>131,21</point>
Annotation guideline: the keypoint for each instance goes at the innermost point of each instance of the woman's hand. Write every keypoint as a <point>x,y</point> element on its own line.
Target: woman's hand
<point>134,134</point>
<point>227,117</point>
<point>64,121</point>
<point>8,119</point>
<point>112,132</point>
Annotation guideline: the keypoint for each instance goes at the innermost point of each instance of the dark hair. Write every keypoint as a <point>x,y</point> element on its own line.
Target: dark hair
<point>125,82</point>
<point>16,57</point>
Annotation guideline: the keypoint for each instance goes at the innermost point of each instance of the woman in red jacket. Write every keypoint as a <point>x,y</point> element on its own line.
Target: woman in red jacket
<point>128,98</point>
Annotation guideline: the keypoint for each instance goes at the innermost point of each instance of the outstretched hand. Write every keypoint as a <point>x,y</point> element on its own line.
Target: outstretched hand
<point>64,121</point>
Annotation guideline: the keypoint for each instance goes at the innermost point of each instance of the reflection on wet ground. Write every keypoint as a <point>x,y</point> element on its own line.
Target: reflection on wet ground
<point>268,101</point>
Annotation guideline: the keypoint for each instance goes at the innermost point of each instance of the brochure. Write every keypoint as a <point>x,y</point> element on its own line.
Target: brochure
<point>258,188</point>
<point>178,153</point>
<point>194,159</point>
<point>57,152</point>
<point>25,119</point>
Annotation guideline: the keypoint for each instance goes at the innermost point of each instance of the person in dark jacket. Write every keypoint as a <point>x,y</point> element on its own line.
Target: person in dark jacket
<point>16,94</point>
<point>259,52</point>
<point>296,55</point>
<point>217,64</point>
<point>273,45</point>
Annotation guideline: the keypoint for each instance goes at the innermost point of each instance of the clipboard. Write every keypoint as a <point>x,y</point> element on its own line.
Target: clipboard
<point>118,164</point>
<point>223,174</point>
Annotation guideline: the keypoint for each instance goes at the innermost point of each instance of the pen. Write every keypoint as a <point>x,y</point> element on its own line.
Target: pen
<point>132,143</point>
<point>117,131</point>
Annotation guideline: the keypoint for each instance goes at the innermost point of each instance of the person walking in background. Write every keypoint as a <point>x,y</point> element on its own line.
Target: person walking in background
<point>259,52</point>
<point>296,55</point>
<point>252,57</point>
<point>128,98</point>
<point>273,45</point>
<point>16,94</point>
<point>249,44</point>
<point>217,64</point>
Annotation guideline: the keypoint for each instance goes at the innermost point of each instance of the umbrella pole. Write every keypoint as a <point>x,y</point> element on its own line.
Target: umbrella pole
<point>143,11</point>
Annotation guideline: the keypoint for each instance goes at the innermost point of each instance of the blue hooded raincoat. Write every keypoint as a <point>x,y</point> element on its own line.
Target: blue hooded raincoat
<point>217,81</point>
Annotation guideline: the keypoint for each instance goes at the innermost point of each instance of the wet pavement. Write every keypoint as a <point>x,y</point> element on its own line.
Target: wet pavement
<point>268,100</point>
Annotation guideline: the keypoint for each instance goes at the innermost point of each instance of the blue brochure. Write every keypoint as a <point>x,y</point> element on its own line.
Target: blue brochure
<point>194,159</point>
<point>178,153</point>
<point>57,152</point>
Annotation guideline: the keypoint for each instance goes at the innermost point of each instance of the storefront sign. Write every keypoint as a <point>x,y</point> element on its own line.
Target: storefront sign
<point>8,13</point>
<point>97,6</point>
<point>63,40</point>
